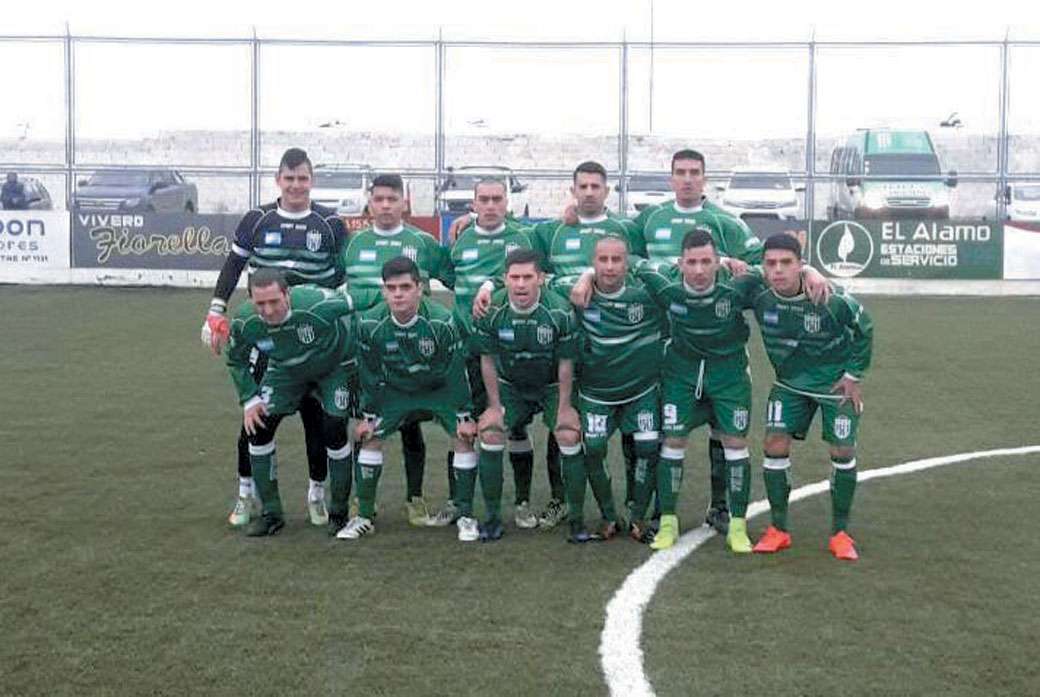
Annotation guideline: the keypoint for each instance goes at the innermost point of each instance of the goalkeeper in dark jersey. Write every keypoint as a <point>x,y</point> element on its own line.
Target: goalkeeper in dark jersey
<point>303,240</point>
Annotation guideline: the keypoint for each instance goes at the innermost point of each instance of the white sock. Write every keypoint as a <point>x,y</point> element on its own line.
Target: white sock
<point>246,488</point>
<point>315,489</point>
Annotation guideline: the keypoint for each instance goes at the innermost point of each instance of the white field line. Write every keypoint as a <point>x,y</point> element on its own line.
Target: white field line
<point>621,655</point>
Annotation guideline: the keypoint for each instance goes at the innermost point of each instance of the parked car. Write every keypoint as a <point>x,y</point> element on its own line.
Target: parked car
<point>1023,202</point>
<point>761,192</point>
<point>136,190</point>
<point>35,196</point>
<point>645,190</point>
<point>343,188</point>
<point>925,193</point>
<point>455,195</point>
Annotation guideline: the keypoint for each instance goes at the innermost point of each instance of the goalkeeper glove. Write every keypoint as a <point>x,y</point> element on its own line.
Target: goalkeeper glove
<point>215,330</point>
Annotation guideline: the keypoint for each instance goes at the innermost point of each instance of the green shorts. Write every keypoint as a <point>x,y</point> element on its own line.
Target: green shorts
<point>725,395</point>
<point>640,416</point>
<point>792,412</point>
<point>447,405</point>
<point>520,406</point>
<point>282,392</point>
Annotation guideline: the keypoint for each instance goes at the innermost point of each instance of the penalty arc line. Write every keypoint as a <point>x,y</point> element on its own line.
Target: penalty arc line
<point>621,656</point>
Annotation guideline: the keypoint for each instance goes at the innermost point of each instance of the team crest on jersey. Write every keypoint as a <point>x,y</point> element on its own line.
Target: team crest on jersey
<point>342,398</point>
<point>722,308</point>
<point>645,421</point>
<point>842,426</point>
<point>811,322</point>
<point>410,252</point>
<point>544,334</point>
<point>635,313</point>
<point>740,419</point>
<point>426,346</point>
<point>313,240</point>
<point>265,345</point>
<point>305,332</point>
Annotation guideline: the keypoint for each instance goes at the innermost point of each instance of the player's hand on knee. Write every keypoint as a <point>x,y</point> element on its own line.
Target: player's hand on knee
<point>492,420</point>
<point>568,420</point>
<point>252,417</point>
<point>850,391</point>
<point>364,429</point>
<point>215,332</point>
<point>466,428</point>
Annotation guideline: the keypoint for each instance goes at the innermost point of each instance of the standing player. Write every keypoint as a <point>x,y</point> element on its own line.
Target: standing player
<point>619,382</point>
<point>363,257</point>
<point>479,255</point>
<point>304,240</point>
<point>660,233</point>
<point>412,368</point>
<point>567,248</point>
<point>527,350</point>
<point>307,333</point>
<point>820,355</point>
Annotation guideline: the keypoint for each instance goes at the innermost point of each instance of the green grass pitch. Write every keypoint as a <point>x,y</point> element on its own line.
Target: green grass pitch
<point>120,577</point>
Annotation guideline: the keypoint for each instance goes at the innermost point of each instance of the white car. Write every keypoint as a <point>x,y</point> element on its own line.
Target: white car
<point>646,190</point>
<point>344,188</point>
<point>760,192</point>
<point>456,192</point>
<point>1023,202</point>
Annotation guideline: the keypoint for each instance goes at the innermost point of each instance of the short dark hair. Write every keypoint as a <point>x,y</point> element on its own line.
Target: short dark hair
<point>524,256</point>
<point>261,278</point>
<point>782,240</point>
<point>489,181</point>
<point>293,158</point>
<point>399,266</point>
<point>688,154</point>
<point>590,167</point>
<point>390,181</point>
<point>698,238</point>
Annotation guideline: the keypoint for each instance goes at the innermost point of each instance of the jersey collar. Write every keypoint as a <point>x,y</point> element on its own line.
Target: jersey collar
<point>488,233</point>
<point>696,209</point>
<point>521,311</point>
<point>589,221</point>
<point>387,233</point>
<point>699,293</point>
<point>612,296</point>
<point>290,214</point>
<point>406,325</point>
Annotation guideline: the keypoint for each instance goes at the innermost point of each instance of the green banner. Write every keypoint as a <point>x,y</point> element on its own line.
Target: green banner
<point>937,249</point>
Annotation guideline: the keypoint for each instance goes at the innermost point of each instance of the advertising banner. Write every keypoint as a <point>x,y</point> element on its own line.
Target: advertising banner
<point>908,249</point>
<point>33,241</point>
<point>197,242</point>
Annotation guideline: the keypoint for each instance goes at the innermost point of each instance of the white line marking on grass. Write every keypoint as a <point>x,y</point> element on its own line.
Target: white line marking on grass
<point>621,656</point>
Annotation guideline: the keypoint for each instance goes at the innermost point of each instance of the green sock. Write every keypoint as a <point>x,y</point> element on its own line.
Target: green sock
<point>572,466</point>
<point>490,467</point>
<point>370,467</point>
<point>466,482</point>
<point>843,488</point>
<point>340,463</point>
<point>739,465</point>
<point>645,474</point>
<point>717,458</point>
<point>778,488</point>
<point>265,476</point>
<point>669,478</point>
<point>599,481</point>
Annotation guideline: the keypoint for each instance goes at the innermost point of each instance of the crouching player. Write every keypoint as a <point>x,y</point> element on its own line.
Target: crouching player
<point>308,335</point>
<point>412,369</point>
<point>527,347</point>
<point>820,355</point>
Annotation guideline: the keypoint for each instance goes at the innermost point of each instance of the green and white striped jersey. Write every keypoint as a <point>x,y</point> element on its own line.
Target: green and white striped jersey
<point>317,335</point>
<point>620,345</point>
<point>527,345</point>
<point>660,231</point>
<point>367,250</point>
<point>568,248</point>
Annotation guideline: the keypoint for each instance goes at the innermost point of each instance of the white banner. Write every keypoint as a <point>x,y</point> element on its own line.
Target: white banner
<point>33,242</point>
<point>1021,251</point>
